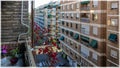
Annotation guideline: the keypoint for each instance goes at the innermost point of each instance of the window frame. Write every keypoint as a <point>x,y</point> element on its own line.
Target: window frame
<point>95,30</point>
<point>113,53</point>
<point>116,23</point>
<point>113,4</point>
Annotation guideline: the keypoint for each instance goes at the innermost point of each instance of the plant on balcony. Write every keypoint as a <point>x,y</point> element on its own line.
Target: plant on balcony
<point>4,49</point>
<point>14,54</point>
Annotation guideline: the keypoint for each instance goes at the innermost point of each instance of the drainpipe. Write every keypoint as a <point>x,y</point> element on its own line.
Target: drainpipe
<point>22,23</point>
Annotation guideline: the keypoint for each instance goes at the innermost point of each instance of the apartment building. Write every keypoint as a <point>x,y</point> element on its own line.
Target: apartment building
<point>52,18</point>
<point>83,31</point>
<point>46,16</point>
<point>113,28</point>
<point>14,28</point>
<point>12,17</point>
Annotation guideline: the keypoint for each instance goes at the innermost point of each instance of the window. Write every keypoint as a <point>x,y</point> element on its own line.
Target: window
<point>94,16</point>
<point>114,5</point>
<point>67,32</point>
<point>67,40</point>
<point>114,22</point>
<point>95,3</point>
<point>77,5</point>
<point>95,31</point>
<point>72,15</point>
<point>78,15</point>
<point>63,14</point>
<point>85,29</point>
<point>76,26</point>
<point>94,56</point>
<point>62,22</point>
<point>62,30</point>
<point>63,7</point>
<point>71,43</point>
<point>113,54</point>
<point>67,15</point>
<point>67,6</point>
<point>84,51</point>
<point>70,24</point>
<point>67,24</point>
<point>71,6</point>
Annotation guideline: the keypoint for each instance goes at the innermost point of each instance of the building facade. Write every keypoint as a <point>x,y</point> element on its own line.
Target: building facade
<point>12,19</point>
<point>84,30</point>
<point>113,22</point>
<point>48,18</point>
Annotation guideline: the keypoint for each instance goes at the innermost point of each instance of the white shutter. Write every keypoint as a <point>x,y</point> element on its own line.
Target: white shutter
<point>114,22</point>
<point>78,15</point>
<point>67,14</point>
<point>113,54</point>
<point>85,51</point>
<point>67,6</point>
<point>95,30</point>
<point>95,3</point>
<point>94,56</point>
<point>114,5</point>
<point>77,5</point>
<point>85,29</point>
<point>72,6</point>
<point>71,14</point>
<point>63,7</point>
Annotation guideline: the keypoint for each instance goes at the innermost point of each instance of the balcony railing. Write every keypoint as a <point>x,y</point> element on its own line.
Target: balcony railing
<point>85,8</point>
<point>85,20</point>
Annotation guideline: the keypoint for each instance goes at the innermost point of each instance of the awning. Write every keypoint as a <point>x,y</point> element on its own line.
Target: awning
<point>62,38</point>
<point>85,2</point>
<point>85,39</point>
<point>49,16</point>
<point>112,37</point>
<point>94,43</point>
<point>71,33</point>
<point>76,36</point>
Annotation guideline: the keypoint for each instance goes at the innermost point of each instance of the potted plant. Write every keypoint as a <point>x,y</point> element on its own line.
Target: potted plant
<point>14,54</point>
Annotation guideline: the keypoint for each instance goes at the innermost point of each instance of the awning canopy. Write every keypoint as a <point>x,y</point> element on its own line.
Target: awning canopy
<point>85,2</point>
<point>49,16</point>
<point>85,39</point>
<point>112,37</point>
<point>76,36</point>
<point>94,43</point>
<point>62,38</point>
<point>71,33</point>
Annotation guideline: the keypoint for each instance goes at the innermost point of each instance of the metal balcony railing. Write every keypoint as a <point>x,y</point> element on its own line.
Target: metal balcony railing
<point>85,20</point>
<point>85,8</point>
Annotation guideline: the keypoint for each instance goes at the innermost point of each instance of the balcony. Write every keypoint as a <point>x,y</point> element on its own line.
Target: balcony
<point>87,20</point>
<point>85,8</point>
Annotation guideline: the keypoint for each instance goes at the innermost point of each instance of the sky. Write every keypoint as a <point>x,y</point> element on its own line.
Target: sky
<point>41,2</point>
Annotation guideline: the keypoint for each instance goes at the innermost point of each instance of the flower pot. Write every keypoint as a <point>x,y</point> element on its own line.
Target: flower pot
<point>14,60</point>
